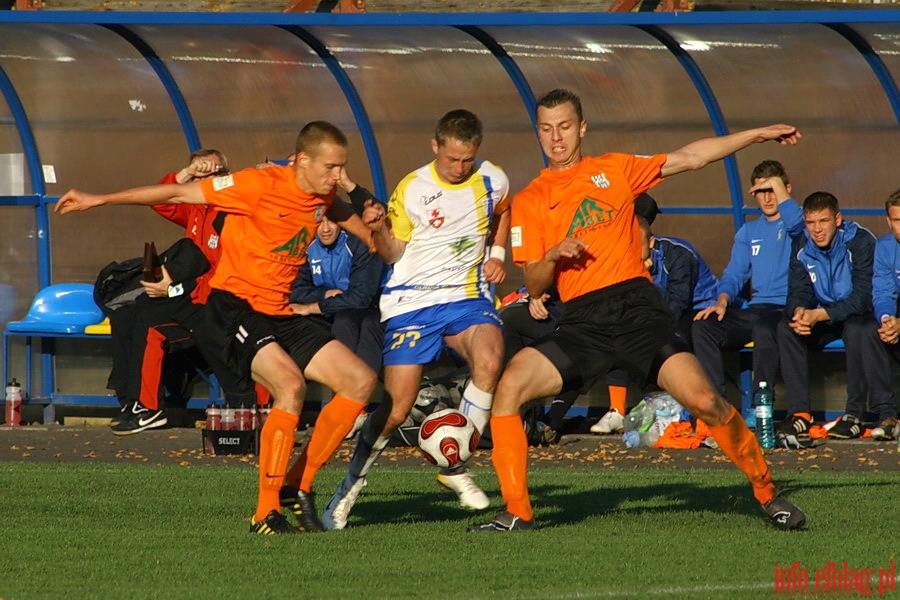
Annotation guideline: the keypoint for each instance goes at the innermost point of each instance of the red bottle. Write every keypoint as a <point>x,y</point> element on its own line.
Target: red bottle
<point>13,403</point>
<point>213,417</point>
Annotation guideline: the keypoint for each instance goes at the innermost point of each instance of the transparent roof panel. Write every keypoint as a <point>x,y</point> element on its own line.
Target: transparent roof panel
<point>407,78</point>
<point>809,76</point>
<point>98,112</point>
<point>251,89</point>
<point>635,95</point>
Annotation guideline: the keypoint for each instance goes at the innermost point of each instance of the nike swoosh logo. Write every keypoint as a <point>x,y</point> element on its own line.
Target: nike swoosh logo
<point>283,215</point>
<point>756,241</point>
<point>143,422</point>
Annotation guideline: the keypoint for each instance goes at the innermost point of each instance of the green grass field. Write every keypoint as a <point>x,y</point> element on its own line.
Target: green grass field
<point>140,531</point>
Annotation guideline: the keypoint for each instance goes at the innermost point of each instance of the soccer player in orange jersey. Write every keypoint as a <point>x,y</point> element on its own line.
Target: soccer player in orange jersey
<point>273,214</point>
<point>574,227</point>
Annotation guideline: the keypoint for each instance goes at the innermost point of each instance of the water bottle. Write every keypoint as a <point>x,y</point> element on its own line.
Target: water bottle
<point>213,417</point>
<point>765,428</point>
<point>243,418</point>
<point>638,423</point>
<point>633,438</point>
<point>228,423</point>
<point>13,403</point>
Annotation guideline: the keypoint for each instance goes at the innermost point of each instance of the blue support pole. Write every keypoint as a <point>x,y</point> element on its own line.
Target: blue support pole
<point>165,77</point>
<point>356,106</point>
<point>712,109</point>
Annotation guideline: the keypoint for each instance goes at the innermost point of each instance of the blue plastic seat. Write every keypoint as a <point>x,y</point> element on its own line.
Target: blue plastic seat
<point>61,310</point>
<point>64,308</point>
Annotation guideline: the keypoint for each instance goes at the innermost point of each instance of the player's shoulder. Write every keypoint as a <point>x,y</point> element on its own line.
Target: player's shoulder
<point>486,167</point>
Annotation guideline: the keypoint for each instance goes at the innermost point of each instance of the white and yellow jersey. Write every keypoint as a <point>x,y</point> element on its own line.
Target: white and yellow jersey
<point>445,228</point>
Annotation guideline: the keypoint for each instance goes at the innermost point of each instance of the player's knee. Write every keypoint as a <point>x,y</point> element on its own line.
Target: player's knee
<point>395,419</point>
<point>706,404</point>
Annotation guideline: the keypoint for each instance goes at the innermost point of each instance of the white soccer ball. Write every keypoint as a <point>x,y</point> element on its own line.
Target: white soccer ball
<point>447,437</point>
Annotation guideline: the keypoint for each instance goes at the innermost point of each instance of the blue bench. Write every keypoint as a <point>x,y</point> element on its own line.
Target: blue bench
<point>66,310</point>
<point>746,379</point>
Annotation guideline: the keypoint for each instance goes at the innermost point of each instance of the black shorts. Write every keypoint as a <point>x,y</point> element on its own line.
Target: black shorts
<point>239,332</point>
<point>626,326</point>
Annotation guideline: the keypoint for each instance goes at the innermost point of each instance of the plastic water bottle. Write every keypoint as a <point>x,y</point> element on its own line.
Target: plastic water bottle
<point>13,403</point>
<point>243,418</point>
<point>765,428</point>
<point>228,423</point>
<point>637,425</point>
<point>213,417</point>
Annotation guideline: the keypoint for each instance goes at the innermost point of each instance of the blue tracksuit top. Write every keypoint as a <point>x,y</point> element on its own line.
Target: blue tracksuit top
<point>839,278</point>
<point>760,254</point>
<point>346,265</point>
<point>886,277</point>
<point>682,275</point>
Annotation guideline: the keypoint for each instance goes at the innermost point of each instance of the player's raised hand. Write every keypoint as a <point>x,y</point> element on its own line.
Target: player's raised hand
<point>374,215</point>
<point>76,200</point>
<point>787,135</point>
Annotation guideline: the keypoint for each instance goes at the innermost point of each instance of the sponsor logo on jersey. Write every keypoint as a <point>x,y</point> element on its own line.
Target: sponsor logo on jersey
<point>222,182</point>
<point>294,247</point>
<point>591,213</point>
<point>461,246</point>
<point>515,236</point>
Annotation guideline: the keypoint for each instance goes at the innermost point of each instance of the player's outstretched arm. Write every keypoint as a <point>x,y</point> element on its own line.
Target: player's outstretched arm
<point>171,193</point>
<point>700,153</point>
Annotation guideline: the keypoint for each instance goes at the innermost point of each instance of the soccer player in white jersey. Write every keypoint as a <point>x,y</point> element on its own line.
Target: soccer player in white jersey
<point>445,234</point>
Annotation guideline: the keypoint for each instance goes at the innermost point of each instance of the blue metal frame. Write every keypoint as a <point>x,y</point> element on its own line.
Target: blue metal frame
<point>356,106</point>
<point>472,23</point>
<point>165,77</point>
<point>712,109</point>
<point>512,70</point>
<point>456,19</point>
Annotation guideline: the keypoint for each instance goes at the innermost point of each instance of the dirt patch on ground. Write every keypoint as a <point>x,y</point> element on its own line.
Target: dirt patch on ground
<point>66,444</point>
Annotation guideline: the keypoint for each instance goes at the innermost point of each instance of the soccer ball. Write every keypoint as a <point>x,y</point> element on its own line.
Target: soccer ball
<point>447,437</point>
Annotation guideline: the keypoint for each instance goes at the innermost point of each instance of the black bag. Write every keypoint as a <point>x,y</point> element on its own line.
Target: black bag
<point>119,283</point>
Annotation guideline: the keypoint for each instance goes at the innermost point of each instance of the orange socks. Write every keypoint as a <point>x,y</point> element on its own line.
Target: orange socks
<point>510,459</point>
<point>275,446</point>
<point>618,394</point>
<point>740,445</point>
<point>332,425</point>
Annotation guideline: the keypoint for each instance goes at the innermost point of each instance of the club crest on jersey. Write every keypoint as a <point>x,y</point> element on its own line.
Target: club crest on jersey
<point>320,210</point>
<point>601,181</point>
<point>436,219</point>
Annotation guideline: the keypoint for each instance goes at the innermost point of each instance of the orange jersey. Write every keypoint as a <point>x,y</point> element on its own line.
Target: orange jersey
<point>270,222</point>
<point>593,201</point>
